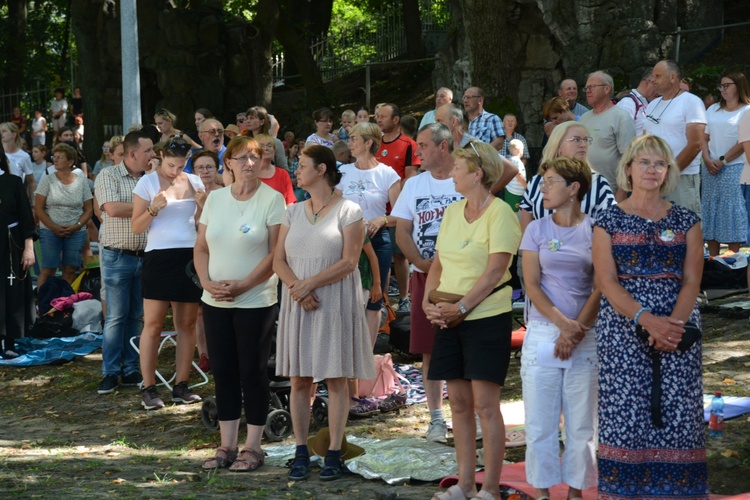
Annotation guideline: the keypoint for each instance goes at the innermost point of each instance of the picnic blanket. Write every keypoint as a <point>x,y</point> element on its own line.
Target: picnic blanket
<point>35,352</point>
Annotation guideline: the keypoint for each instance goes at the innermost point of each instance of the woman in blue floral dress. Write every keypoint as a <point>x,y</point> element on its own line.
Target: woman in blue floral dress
<point>648,259</point>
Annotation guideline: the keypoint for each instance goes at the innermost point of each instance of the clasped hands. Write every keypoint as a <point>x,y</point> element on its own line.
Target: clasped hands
<point>304,294</point>
<point>224,290</point>
<point>442,313</point>
<point>571,334</point>
<point>664,332</point>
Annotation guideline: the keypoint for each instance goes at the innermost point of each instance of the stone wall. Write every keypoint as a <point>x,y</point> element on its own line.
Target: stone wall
<point>555,39</point>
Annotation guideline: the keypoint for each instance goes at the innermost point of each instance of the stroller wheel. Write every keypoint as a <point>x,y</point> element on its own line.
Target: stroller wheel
<point>320,410</point>
<point>278,425</point>
<point>210,413</point>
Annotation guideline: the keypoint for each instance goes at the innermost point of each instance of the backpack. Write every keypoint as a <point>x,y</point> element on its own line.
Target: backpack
<point>638,104</point>
<point>53,288</point>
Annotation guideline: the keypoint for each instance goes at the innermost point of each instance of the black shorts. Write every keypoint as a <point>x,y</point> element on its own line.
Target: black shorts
<point>475,350</point>
<point>164,277</point>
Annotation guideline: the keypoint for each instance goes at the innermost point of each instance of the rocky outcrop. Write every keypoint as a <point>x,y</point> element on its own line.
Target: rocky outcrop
<point>549,40</point>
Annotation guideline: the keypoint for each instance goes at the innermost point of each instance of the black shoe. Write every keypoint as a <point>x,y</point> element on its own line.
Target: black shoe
<point>182,394</point>
<point>131,379</point>
<point>108,384</point>
<point>150,399</point>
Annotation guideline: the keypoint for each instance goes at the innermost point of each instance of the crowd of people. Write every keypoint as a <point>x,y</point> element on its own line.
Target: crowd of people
<point>610,231</point>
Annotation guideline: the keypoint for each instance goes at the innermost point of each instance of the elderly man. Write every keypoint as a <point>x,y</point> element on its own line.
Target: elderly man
<point>483,125</point>
<point>122,258</point>
<point>211,134</point>
<point>510,122</point>
<point>610,127</point>
<point>568,90</point>
<point>443,95</point>
<point>679,118</point>
<point>419,213</point>
<point>637,99</point>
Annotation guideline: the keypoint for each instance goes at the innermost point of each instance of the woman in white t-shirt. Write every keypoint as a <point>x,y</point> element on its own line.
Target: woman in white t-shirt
<point>723,211</point>
<point>372,185</point>
<point>166,203</point>
<point>558,367</point>
<point>233,258</point>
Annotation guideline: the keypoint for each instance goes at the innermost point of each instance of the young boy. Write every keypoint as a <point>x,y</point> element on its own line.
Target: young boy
<point>515,188</point>
<point>347,122</point>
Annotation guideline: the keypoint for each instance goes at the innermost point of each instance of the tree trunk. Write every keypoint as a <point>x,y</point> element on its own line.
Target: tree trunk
<point>87,24</point>
<point>265,22</point>
<point>412,23</point>
<point>16,49</point>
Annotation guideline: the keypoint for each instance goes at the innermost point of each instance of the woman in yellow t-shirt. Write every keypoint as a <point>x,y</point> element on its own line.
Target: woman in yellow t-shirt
<point>477,240</point>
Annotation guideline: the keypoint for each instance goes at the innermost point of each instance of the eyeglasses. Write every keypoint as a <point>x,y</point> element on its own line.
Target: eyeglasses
<point>724,86</point>
<point>243,159</point>
<point>653,119</point>
<point>214,131</point>
<point>479,157</point>
<point>55,159</point>
<point>590,87</point>
<point>659,166</point>
<point>578,140</point>
<point>549,183</point>
<point>467,97</point>
<point>206,168</point>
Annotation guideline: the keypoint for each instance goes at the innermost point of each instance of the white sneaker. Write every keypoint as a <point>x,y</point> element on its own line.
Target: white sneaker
<point>437,432</point>
<point>479,427</point>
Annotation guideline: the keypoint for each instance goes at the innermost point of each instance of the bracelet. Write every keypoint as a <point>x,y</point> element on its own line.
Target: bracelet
<point>461,307</point>
<point>153,212</point>
<point>638,314</point>
<point>78,223</point>
<point>385,218</point>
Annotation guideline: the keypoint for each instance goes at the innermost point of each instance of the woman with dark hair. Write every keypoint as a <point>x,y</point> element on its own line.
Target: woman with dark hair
<point>68,136</point>
<point>363,116</point>
<point>63,206</point>
<point>323,119</point>
<point>723,212</point>
<point>201,114</point>
<point>257,121</point>
<point>233,256</point>
<point>322,329</point>
<point>16,257</point>
<point>166,203</point>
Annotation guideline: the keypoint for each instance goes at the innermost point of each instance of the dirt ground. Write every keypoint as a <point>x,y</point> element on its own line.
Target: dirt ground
<point>58,436</point>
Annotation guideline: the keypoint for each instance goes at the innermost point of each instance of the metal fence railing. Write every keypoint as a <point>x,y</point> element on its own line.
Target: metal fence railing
<point>27,100</point>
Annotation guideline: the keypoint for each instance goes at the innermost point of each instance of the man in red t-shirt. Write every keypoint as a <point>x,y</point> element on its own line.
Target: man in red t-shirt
<point>397,151</point>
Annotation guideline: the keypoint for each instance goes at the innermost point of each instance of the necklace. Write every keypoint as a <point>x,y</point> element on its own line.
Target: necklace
<point>648,216</point>
<point>555,243</point>
<point>13,276</point>
<point>658,119</point>
<point>316,214</point>
<point>244,205</point>
<point>480,209</point>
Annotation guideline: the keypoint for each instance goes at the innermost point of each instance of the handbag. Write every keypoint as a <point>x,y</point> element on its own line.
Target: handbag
<point>692,335</point>
<point>436,297</point>
<point>386,380</point>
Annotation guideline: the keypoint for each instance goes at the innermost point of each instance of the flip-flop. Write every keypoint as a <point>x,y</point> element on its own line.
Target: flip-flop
<point>247,461</point>
<point>514,439</point>
<point>223,458</point>
<point>453,493</point>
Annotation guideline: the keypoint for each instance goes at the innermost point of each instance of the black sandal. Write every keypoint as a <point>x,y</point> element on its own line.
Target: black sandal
<point>333,468</point>
<point>300,466</point>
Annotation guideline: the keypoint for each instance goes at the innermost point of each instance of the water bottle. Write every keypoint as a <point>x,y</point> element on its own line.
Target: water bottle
<point>716,420</point>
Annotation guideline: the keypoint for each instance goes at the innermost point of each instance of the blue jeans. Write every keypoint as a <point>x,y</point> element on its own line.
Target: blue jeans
<point>381,243</point>
<point>124,312</point>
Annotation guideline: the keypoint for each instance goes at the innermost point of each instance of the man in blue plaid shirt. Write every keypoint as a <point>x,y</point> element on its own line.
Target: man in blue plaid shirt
<point>483,125</point>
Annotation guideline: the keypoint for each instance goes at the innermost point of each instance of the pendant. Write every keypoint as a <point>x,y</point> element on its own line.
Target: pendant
<point>554,245</point>
<point>464,243</point>
<point>244,228</point>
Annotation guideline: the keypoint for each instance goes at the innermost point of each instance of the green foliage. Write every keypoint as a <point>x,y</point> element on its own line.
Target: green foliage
<point>704,79</point>
<point>244,9</point>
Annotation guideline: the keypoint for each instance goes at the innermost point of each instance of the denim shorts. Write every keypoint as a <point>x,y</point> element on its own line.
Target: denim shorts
<point>53,246</point>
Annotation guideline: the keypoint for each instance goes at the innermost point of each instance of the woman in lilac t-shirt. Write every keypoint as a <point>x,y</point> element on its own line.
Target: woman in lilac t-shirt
<point>559,362</point>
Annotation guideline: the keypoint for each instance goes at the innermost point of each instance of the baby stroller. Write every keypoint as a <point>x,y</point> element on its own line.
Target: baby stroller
<point>279,421</point>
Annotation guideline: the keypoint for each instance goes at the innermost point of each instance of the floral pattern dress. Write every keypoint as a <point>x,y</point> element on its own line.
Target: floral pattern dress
<point>637,459</point>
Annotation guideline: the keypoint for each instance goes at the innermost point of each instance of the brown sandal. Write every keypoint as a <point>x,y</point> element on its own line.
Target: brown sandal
<point>223,458</point>
<point>247,461</point>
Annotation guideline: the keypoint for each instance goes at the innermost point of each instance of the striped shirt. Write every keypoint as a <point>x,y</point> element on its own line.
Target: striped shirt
<point>115,184</point>
<point>597,200</point>
<point>505,151</point>
<point>486,127</point>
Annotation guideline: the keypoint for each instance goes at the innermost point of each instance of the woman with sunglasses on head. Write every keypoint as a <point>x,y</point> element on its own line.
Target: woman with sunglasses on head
<point>233,255</point>
<point>723,212</point>
<point>477,240</point>
<point>572,140</point>
<point>166,203</point>
<point>648,263</point>
<point>559,279</point>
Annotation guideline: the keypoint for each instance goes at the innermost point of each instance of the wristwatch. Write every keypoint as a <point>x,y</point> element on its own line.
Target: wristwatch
<point>461,307</point>
<point>722,160</point>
